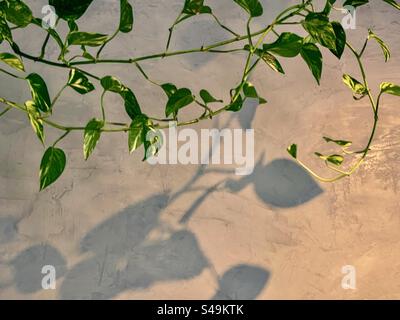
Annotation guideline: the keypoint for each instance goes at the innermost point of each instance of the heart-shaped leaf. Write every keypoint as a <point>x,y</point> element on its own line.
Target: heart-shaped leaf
<point>335,159</point>
<point>70,9</point>
<point>34,119</point>
<point>207,97</point>
<point>340,39</point>
<point>52,166</point>
<point>292,150</point>
<point>137,133</point>
<point>91,136</point>
<point>385,48</point>
<point>18,13</point>
<point>342,143</point>
<point>287,45</point>
<point>390,88</point>
<point>169,89</point>
<point>236,105</point>
<point>126,19</point>
<point>313,57</point>
<point>250,92</point>
<point>180,99</point>
<point>112,84</point>
<point>86,39</point>
<point>132,106</point>
<point>319,27</point>
<point>356,86</point>
<point>272,62</point>
<point>355,3</point>
<point>40,94</point>
<point>5,32</point>
<point>193,7</point>
<point>12,60</point>
<point>79,82</point>
<point>253,7</point>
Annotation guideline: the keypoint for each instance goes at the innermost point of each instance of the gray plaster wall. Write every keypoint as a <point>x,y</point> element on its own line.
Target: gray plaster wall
<point>117,228</point>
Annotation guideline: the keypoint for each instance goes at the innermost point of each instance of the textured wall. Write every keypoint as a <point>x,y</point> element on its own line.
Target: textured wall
<point>112,226</point>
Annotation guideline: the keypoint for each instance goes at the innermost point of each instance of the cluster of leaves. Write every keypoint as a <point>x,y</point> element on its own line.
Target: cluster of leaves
<point>319,32</point>
<point>360,90</point>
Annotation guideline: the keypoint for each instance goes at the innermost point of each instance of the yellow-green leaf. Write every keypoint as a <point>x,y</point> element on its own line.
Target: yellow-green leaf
<point>12,60</point>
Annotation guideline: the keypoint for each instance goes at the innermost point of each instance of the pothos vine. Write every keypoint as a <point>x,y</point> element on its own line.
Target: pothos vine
<point>319,29</point>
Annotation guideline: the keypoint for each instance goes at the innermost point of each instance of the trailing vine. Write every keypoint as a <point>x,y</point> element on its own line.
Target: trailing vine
<point>320,32</point>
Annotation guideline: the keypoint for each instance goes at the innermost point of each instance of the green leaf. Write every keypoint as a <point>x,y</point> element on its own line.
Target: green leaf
<point>313,57</point>
<point>137,133</point>
<point>355,3</point>
<point>393,3</point>
<point>268,58</point>
<point>132,106</point>
<point>112,84</point>
<point>287,45</point>
<point>340,39</point>
<point>18,13</point>
<point>356,86</point>
<point>193,7</point>
<point>385,48</point>
<point>86,39</point>
<point>250,92</point>
<point>70,9</point>
<point>390,88</point>
<point>91,136</point>
<point>342,143</point>
<point>12,60</point>
<point>126,19</point>
<point>169,89</point>
<point>51,167</point>
<point>207,97</point>
<point>180,99</point>
<point>79,82</point>
<point>40,94</point>
<point>328,7</point>
<point>292,150</point>
<point>319,27</point>
<point>5,32</point>
<point>36,123</point>
<point>335,159</point>
<point>272,62</point>
<point>236,105</point>
<point>253,7</point>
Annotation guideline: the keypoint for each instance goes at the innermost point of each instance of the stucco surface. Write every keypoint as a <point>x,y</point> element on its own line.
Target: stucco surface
<point>118,228</point>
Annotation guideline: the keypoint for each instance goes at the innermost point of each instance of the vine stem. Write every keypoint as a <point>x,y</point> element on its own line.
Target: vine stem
<point>375,109</point>
<point>212,48</point>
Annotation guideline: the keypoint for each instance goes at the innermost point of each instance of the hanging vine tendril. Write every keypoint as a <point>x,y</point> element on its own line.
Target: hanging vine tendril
<point>320,32</point>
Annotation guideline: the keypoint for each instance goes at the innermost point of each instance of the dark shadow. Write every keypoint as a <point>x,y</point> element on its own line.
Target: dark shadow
<point>8,229</point>
<point>242,282</point>
<point>247,115</point>
<point>29,263</point>
<point>123,258</point>
<point>281,183</point>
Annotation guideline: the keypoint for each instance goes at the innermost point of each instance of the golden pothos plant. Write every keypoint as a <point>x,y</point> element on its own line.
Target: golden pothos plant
<point>319,33</point>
